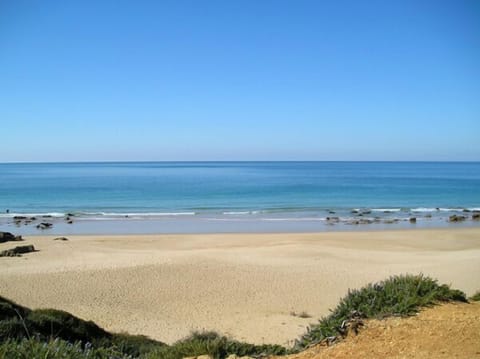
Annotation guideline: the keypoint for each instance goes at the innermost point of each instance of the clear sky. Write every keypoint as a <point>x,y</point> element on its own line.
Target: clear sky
<point>239,80</point>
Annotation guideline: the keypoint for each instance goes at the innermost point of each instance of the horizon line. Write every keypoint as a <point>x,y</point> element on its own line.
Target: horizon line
<point>235,161</point>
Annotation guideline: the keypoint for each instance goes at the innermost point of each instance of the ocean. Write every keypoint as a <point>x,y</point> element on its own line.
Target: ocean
<point>151,197</point>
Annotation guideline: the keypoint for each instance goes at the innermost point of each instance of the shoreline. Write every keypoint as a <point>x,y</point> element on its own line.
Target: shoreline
<point>403,227</point>
<point>201,224</point>
<point>243,285</point>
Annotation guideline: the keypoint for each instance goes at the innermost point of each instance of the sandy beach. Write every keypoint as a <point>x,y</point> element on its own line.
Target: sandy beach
<point>245,285</point>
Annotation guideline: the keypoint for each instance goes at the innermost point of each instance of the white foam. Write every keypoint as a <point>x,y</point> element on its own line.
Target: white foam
<point>143,214</point>
<point>295,219</point>
<point>386,209</point>
<point>424,209</point>
<point>49,214</point>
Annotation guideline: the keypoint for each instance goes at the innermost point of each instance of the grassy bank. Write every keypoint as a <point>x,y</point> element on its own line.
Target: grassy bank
<point>48,333</point>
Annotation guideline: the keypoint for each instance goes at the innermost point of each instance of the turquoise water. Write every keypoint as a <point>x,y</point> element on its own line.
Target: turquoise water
<point>253,190</point>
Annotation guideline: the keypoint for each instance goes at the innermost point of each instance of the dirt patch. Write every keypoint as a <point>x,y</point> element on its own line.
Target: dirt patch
<point>446,331</point>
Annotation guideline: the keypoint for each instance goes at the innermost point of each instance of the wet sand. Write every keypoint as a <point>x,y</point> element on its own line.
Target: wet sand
<point>243,285</point>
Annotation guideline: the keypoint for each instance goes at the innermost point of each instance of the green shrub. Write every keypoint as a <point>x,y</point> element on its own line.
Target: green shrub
<point>213,344</point>
<point>9,309</point>
<point>53,349</point>
<point>134,345</point>
<point>50,323</point>
<point>397,296</point>
<point>475,297</point>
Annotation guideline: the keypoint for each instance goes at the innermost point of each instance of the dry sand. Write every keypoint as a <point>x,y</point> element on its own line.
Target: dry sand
<point>243,285</point>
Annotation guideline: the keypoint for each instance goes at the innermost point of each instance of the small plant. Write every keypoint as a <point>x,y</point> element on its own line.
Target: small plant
<point>215,345</point>
<point>54,349</point>
<point>304,315</point>
<point>475,297</point>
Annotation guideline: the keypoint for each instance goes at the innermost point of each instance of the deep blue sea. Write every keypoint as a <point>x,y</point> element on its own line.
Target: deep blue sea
<point>240,191</point>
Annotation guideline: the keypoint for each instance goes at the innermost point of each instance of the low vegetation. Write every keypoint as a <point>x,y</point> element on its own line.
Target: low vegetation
<point>54,349</point>
<point>396,296</point>
<point>475,297</point>
<point>52,334</point>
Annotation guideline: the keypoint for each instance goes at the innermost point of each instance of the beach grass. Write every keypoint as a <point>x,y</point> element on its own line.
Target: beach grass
<point>49,333</point>
<point>55,349</point>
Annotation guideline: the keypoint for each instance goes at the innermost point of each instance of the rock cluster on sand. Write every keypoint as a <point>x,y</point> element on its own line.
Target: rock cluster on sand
<point>61,239</point>
<point>17,251</point>
<point>9,237</point>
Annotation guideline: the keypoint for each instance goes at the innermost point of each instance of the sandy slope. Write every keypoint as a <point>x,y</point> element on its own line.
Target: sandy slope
<point>446,331</point>
<point>244,285</point>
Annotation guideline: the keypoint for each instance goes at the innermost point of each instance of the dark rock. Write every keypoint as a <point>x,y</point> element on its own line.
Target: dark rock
<point>47,216</point>
<point>391,221</point>
<point>428,216</point>
<point>365,221</point>
<point>455,218</point>
<point>476,216</point>
<point>44,225</point>
<point>412,220</point>
<point>70,215</point>
<point>9,237</point>
<point>19,218</point>
<point>17,251</point>
<point>6,236</point>
<point>360,221</point>
<point>333,219</point>
<point>61,239</point>
<point>466,210</point>
<point>354,211</point>
<point>70,222</point>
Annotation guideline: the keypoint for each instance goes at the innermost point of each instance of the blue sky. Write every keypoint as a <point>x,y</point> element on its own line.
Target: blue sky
<point>239,80</point>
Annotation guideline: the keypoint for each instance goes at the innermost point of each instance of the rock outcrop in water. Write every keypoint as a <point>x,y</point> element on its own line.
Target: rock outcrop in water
<point>44,225</point>
<point>456,218</point>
